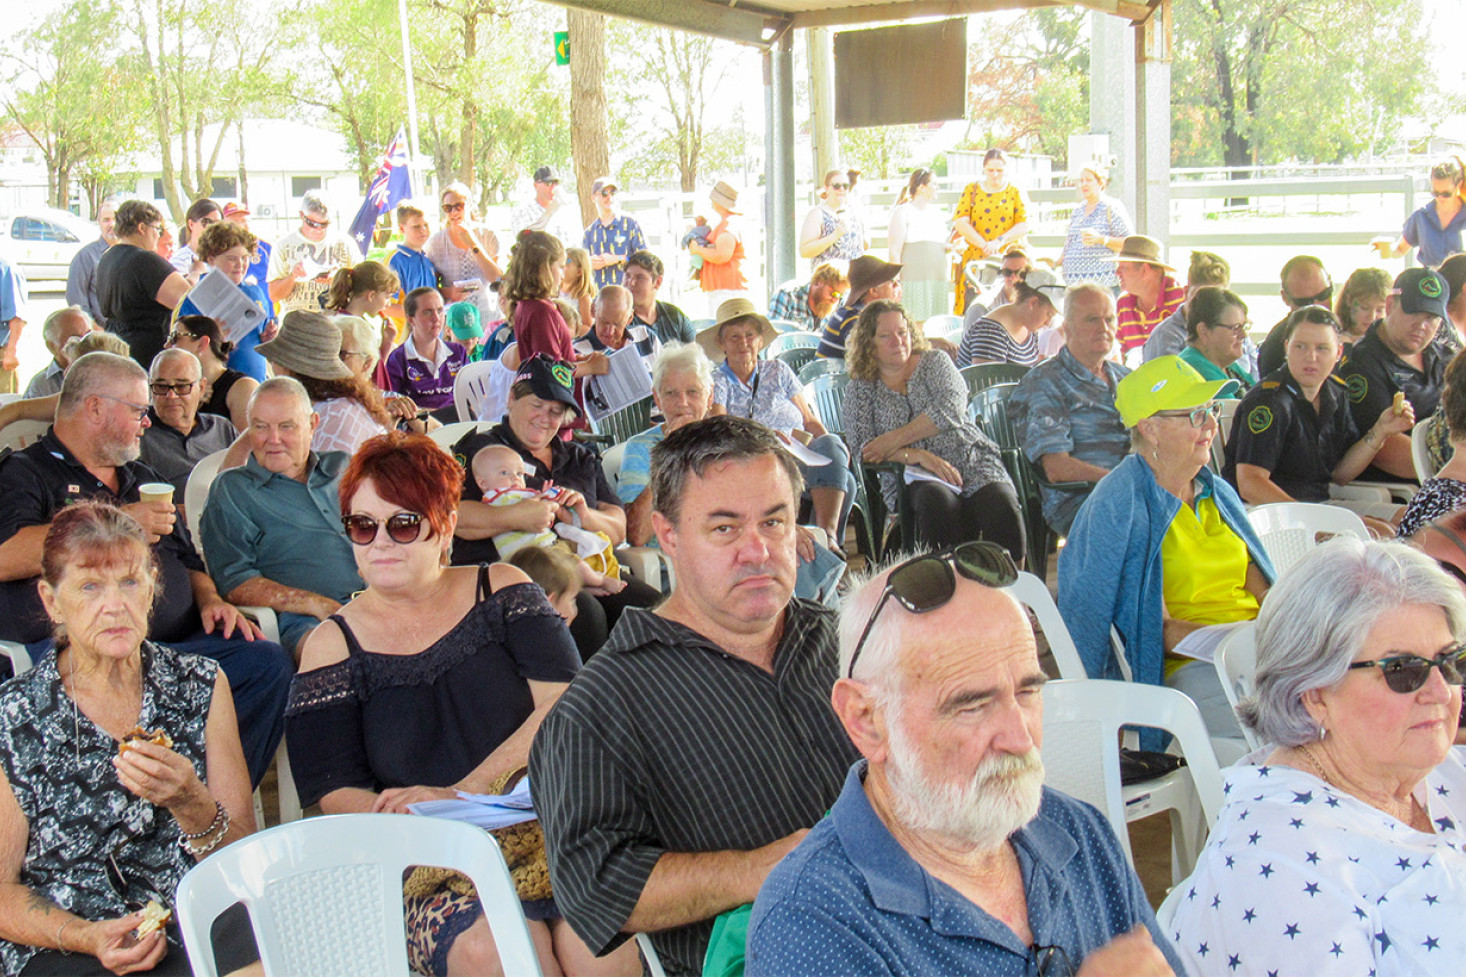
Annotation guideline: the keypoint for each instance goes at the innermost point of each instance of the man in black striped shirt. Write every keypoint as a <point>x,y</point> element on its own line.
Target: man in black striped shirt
<point>698,746</point>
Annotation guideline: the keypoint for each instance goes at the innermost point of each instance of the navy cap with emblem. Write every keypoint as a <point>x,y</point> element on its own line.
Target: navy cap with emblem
<point>1420,290</point>
<point>549,379</point>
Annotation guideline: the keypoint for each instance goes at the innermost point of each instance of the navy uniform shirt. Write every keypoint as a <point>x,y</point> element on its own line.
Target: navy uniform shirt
<point>1374,374</point>
<point>1278,429</point>
<point>837,330</point>
<point>43,478</point>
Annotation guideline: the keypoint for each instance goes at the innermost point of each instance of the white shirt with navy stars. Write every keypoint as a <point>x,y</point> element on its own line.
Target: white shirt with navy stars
<point>1300,879</point>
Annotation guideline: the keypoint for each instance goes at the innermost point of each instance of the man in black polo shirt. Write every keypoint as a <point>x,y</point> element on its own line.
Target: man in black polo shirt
<point>697,748</point>
<point>1305,282</point>
<point>180,437</point>
<point>91,453</point>
<point>1401,353</point>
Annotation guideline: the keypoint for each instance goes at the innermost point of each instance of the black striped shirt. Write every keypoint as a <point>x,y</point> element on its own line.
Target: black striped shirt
<point>666,743</point>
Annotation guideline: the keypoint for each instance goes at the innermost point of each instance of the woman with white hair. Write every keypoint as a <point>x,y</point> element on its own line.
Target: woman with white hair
<point>1340,849</point>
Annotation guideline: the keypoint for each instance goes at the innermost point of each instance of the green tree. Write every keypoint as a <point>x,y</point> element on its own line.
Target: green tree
<point>1028,81</point>
<point>72,99</point>
<point>880,151</point>
<point>1263,81</point>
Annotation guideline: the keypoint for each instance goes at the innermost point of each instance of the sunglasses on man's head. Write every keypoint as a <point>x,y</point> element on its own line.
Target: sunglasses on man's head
<point>926,583</point>
<point>1407,673</point>
<point>402,528</point>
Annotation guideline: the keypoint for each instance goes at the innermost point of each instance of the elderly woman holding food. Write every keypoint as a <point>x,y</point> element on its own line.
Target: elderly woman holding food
<point>1341,847</point>
<point>121,767</point>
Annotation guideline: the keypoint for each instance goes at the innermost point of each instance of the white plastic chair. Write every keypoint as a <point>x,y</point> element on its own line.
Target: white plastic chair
<point>942,326</point>
<point>1033,594</point>
<point>1235,660</point>
<point>1082,722</point>
<point>20,659</point>
<point>654,966</point>
<point>10,398</point>
<point>324,895</point>
<point>646,563</point>
<point>1418,453</point>
<point>1288,530</point>
<point>18,434</point>
<point>448,435</point>
<point>469,388</point>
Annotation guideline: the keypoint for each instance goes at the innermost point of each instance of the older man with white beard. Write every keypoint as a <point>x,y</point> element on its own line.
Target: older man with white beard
<point>945,854</point>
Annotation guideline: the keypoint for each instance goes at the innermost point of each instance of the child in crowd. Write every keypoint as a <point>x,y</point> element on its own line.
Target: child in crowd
<point>499,472</point>
<point>557,571</point>
<point>702,234</point>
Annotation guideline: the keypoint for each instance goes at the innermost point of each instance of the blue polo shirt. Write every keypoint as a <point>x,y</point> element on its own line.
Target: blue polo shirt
<point>850,901</point>
<point>622,236</point>
<point>1434,243</point>
<point>1059,406</point>
<point>837,330</point>
<point>413,269</point>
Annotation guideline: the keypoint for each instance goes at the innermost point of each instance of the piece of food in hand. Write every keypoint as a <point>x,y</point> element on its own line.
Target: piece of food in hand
<point>155,917</point>
<point>1399,401</point>
<point>137,734</point>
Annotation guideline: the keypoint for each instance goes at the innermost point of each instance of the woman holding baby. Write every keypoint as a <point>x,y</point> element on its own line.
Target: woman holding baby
<point>120,766</point>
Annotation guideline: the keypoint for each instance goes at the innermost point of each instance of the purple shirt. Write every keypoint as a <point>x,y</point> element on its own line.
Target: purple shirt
<point>429,384</point>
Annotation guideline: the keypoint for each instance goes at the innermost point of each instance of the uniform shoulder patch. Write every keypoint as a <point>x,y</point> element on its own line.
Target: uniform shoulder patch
<point>1358,386</point>
<point>1269,385</point>
<point>1259,419</point>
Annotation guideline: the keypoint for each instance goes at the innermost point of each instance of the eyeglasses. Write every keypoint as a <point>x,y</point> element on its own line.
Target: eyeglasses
<point>1197,415</point>
<point>1443,194</point>
<point>403,528</point>
<point>926,583</point>
<point>155,228</point>
<point>1322,298</point>
<point>178,335</point>
<point>608,192</point>
<point>1018,273</point>
<point>1052,961</point>
<point>180,388</point>
<point>839,186</point>
<point>318,225</point>
<point>453,208</point>
<point>141,409</point>
<point>1240,328</point>
<point>1407,673</point>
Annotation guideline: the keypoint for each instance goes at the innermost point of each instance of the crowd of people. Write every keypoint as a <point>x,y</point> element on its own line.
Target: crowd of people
<point>770,763</point>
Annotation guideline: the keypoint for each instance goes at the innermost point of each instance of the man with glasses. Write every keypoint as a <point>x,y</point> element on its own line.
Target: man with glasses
<point>180,437</point>
<point>1305,282</point>
<point>1402,354</point>
<point>92,452</point>
<point>1169,338</point>
<point>696,748</point>
<point>611,237</point>
<point>549,211</point>
<point>807,303</point>
<point>272,530</point>
<point>941,692</point>
<point>870,279</point>
<point>1151,294</point>
<point>305,259</point>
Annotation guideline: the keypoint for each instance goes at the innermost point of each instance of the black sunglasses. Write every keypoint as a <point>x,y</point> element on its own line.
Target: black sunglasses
<point>403,528</point>
<point>1322,298</point>
<point>1407,673</point>
<point>1052,961</point>
<point>926,583</point>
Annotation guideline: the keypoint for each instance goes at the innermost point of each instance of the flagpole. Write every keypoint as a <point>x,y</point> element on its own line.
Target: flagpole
<point>413,156</point>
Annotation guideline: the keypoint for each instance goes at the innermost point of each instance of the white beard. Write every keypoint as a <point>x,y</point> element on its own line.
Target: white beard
<point>1003,795</point>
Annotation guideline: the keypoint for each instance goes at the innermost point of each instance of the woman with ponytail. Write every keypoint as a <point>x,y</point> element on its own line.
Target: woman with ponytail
<point>917,240</point>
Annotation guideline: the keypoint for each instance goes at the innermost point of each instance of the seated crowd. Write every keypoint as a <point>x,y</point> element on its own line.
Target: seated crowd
<point>767,764</point>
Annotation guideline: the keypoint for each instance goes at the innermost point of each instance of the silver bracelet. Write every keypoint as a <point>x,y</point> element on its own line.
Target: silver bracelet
<point>220,824</point>
<point>62,929</point>
<point>219,815</point>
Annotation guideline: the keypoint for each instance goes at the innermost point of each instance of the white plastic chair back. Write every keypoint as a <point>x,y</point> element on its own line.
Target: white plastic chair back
<point>448,435</point>
<point>646,563</point>
<point>1235,660</point>
<point>20,659</point>
<point>10,398</point>
<point>196,493</point>
<point>1082,722</point>
<point>325,894</point>
<point>18,434</point>
<point>470,387</point>
<point>941,326</point>
<point>1418,453</point>
<point>1288,530</point>
<point>1031,592</point>
<point>649,954</point>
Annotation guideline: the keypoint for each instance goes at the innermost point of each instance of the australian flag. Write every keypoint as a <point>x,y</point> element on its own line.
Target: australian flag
<point>392,184</point>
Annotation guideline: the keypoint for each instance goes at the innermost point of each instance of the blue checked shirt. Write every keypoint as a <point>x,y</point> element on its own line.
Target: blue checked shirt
<point>791,303</point>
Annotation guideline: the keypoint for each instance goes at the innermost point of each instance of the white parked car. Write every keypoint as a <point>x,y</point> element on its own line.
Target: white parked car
<point>42,241</point>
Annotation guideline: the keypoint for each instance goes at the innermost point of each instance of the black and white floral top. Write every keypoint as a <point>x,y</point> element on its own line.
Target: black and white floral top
<point>59,764</point>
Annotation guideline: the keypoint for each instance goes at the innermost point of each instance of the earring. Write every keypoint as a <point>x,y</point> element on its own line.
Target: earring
<point>1322,732</point>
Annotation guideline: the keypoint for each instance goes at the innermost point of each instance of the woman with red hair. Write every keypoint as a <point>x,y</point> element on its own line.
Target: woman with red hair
<point>432,680</point>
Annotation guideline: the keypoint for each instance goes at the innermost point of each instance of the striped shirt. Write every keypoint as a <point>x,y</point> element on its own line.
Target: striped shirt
<point>666,743</point>
<point>1135,324</point>
<point>837,330</point>
<point>987,341</point>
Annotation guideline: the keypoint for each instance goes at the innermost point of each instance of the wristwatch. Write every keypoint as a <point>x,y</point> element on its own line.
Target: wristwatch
<point>477,249</point>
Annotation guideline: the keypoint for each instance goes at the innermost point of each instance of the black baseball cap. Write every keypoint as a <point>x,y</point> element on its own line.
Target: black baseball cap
<point>1421,290</point>
<point>546,174</point>
<point>549,379</point>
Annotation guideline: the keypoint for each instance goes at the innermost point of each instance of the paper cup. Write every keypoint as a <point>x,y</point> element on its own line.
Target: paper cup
<point>155,492</point>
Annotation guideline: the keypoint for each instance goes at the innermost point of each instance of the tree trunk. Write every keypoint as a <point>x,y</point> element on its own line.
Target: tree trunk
<point>589,143</point>
<point>243,188</point>
<point>469,132</point>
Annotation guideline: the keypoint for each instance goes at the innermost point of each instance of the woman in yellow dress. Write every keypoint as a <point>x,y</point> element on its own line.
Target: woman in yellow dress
<point>991,215</point>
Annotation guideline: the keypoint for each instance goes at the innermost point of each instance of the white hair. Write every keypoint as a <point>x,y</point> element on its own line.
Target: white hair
<point>1072,293</point>
<point>174,354</point>
<point>285,386</point>
<point>51,328</point>
<point>682,358</point>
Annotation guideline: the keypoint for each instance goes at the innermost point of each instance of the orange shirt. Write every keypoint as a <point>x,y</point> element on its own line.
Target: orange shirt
<point>728,276</point>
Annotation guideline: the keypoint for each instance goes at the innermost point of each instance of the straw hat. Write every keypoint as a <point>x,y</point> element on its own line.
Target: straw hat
<point>1140,248</point>
<point>730,310</point>
<point>309,345</point>
<point>725,195</point>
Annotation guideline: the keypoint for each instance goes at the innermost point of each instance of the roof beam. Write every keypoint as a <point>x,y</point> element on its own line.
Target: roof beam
<point>897,10</point>
<point>743,23</point>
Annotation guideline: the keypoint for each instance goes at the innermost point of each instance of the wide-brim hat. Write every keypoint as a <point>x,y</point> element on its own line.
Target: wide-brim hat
<point>549,379</point>
<point>308,345</point>
<point>1164,383</point>
<point>1422,291</point>
<point>1140,248</point>
<point>725,195</point>
<point>731,311</point>
<point>868,271</point>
